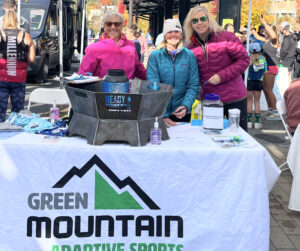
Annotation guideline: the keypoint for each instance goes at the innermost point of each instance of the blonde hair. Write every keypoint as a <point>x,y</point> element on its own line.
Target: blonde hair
<point>254,58</point>
<point>10,20</point>
<point>188,29</point>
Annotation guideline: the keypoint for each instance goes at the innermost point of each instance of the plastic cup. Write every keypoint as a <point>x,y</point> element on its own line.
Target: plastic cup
<point>234,119</point>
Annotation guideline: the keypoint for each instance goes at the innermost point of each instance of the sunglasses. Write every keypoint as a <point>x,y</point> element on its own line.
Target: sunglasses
<point>110,24</point>
<point>202,19</point>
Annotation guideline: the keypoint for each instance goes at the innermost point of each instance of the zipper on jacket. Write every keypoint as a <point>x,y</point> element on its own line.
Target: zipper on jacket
<point>173,61</point>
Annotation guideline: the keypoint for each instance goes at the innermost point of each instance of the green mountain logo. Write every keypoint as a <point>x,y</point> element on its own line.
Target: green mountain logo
<point>107,198</point>
<point>105,195</point>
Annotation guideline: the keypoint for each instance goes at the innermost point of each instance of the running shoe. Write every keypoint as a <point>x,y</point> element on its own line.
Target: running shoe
<point>249,125</point>
<point>266,114</point>
<point>257,125</point>
<point>274,116</point>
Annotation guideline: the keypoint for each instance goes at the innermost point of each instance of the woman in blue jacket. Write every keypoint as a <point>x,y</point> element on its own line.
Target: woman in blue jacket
<point>173,64</point>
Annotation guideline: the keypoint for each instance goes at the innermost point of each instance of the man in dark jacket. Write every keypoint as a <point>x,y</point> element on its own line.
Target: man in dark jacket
<point>11,5</point>
<point>288,50</point>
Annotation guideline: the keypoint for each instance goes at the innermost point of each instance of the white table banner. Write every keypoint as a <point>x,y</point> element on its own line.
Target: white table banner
<point>69,196</point>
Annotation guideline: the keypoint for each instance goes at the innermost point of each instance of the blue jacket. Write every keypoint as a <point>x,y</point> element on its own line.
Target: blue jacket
<point>181,73</point>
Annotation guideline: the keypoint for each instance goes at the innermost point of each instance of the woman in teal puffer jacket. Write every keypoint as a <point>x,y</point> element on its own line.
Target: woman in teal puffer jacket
<point>175,65</point>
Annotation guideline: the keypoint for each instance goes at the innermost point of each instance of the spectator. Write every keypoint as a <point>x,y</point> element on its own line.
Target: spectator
<point>113,51</point>
<point>143,42</point>
<point>13,65</point>
<point>282,25</point>
<point>221,58</point>
<point>173,64</point>
<point>271,53</point>
<point>257,68</point>
<point>11,5</point>
<point>297,63</point>
<point>130,35</point>
<point>229,28</point>
<point>159,39</point>
<point>149,38</point>
<point>288,50</point>
<point>292,102</point>
<point>256,36</point>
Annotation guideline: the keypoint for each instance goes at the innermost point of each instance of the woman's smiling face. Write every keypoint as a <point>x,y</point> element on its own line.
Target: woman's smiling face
<point>199,25</point>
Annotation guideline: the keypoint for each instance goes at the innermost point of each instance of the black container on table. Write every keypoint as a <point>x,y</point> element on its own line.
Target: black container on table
<point>127,117</point>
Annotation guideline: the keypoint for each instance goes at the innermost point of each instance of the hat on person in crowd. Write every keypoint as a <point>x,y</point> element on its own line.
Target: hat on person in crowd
<point>254,47</point>
<point>171,25</point>
<point>261,27</point>
<point>284,24</point>
<point>9,4</point>
<point>287,27</point>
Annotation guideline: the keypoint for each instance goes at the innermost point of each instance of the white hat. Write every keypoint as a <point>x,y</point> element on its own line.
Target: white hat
<point>283,24</point>
<point>171,25</point>
<point>254,47</point>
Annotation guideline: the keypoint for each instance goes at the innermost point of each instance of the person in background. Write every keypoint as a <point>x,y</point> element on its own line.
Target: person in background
<point>229,28</point>
<point>149,38</point>
<point>159,39</point>
<point>297,63</point>
<point>144,45</point>
<point>221,58</point>
<point>281,26</point>
<point>261,33</point>
<point>271,49</point>
<point>131,35</point>
<point>11,5</point>
<point>173,64</point>
<point>257,68</point>
<point>292,102</point>
<point>113,51</point>
<point>288,50</point>
<point>13,66</point>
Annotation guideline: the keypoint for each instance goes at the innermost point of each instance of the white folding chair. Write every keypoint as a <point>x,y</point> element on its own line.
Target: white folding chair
<point>281,108</point>
<point>48,96</point>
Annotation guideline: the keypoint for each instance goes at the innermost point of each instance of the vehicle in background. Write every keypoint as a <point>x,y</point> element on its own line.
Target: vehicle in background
<point>43,17</point>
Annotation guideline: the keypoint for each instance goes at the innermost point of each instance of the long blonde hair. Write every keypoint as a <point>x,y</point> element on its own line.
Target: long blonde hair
<point>188,29</point>
<point>10,20</point>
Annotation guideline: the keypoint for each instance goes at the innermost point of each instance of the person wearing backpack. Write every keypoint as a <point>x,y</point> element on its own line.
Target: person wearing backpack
<point>288,50</point>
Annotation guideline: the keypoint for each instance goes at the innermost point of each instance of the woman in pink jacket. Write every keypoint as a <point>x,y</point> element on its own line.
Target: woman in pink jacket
<point>221,60</point>
<point>112,51</point>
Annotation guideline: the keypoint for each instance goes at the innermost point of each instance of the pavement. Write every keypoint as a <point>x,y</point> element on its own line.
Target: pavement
<point>284,223</point>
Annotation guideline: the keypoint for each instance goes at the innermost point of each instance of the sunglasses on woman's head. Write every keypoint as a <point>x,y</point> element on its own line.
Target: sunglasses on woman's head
<point>116,24</point>
<point>202,19</point>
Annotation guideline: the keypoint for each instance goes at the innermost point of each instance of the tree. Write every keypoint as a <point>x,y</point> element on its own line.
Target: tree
<point>258,7</point>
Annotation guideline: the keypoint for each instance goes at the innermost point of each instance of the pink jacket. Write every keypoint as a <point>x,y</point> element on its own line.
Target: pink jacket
<point>226,56</point>
<point>105,54</point>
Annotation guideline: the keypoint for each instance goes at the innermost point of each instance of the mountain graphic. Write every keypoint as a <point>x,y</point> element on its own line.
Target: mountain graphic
<point>105,196</point>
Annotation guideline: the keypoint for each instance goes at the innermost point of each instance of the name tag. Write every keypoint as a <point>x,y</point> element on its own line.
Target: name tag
<point>258,67</point>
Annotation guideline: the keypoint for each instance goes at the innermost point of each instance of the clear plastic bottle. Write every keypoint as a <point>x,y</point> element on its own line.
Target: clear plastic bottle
<point>54,113</point>
<point>155,134</point>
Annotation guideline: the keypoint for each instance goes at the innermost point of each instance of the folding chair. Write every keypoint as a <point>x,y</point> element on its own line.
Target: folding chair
<point>48,96</point>
<point>281,108</point>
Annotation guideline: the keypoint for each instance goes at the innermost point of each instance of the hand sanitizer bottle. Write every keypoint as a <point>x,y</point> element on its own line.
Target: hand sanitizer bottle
<point>155,134</point>
<point>54,113</point>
